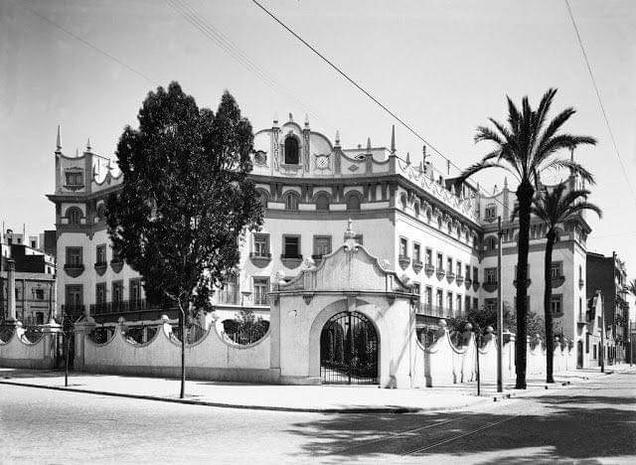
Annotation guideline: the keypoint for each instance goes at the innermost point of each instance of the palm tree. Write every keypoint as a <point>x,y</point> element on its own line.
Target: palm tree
<point>556,207</point>
<point>525,147</point>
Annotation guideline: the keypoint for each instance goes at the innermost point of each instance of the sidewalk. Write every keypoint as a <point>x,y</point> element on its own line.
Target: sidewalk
<point>325,399</point>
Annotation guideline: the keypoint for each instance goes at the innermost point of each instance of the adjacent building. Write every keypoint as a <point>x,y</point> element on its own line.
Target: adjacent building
<point>27,274</point>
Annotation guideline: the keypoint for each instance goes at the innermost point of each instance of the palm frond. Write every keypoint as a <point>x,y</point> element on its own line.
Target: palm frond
<point>486,134</point>
<point>480,166</point>
<point>566,163</point>
<point>562,141</point>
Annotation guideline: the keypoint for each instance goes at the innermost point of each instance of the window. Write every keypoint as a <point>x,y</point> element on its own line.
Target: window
<point>291,247</point>
<point>74,178</point>
<point>475,274</point>
<point>100,254</point>
<point>135,290</point>
<point>556,302</point>
<point>404,244</point>
<point>353,202</point>
<point>581,310</point>
<point>428,296</point>
<point>263,198</point>
<point>467,272</point>
<point>491,275</point>
<point>100,293</point>
<point>261,245</point>
<point>416,289</point>
<point>39,294</point>
<point>322,202</point>
<point>491,243</point>
<point>33,244</point>
<point>229,293</point>
<point>491,212</point>
<point>439,298</point>
<point>74,256</point>
<point>440,261</point>
<point>118,291</point>
<point>490,304</point>
<point>292,199</point>
<point>458,303</point>
<point>291,151</point>
<point>556,270</point>
<point>475,303</point>
<point>580,273</point>
<point>322,246</point>
<point>449,265</point>
<point>466,303</point>
<point>417,254</point>
<point>261,288</point>
<point>449,301</point>
<point>429,257</point>
<point>458,267</point>
<point>74,215</point>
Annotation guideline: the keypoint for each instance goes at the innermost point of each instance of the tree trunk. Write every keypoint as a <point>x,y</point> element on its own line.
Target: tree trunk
<point>182,318</point>
<point>547,297</point>
<point>525,192</point>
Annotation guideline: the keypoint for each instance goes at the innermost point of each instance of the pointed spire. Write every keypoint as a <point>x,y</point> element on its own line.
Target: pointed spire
<point>349,233</point>
<point>393,139</point>
<point>424,153</point>
<point>88,145</point>
<point>291,117</point>
<point>306,121</point>
<point>408,158</point>
<point>337,138</point>
<point>368,144</point>
<point>275,120</point>
<point>58,141</point>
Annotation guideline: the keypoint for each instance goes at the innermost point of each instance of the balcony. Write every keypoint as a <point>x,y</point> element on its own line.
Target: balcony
<point>581,283</point>
<point>74,269</point>
<point>450,276</point>
<point>440,273</point>
<point>429,269</point>
<point>557,281</point>
<point>291,261</point>
<point>261,260</point>
<point>528,282</point>
<point>417,266</point>
<point>490,286</point>
<point>434,310</point>
<point>468,282</point>
<point>404,261</point>
<point>100,267</point>
<point>120,306</point>
<point>117,264</point>
<point>475,284</point>
<point>459,279</point>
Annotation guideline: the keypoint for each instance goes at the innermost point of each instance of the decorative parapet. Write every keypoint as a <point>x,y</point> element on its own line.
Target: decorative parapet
<point>475,285</point>
<point>440,273</point>
<point>558,282</point>
<point>404,262</point>
<point>466,206</point>
<point>291,262</point>
<point>429,269</point>
<point>450,276</point>
<point>117,265</point>
<point>459,279</point>
<point>417,266</point>
<point>73,270</point>
<point>490,286</point>
<point>261,260</point>
<point>468,282</point>
<point>100,268</point>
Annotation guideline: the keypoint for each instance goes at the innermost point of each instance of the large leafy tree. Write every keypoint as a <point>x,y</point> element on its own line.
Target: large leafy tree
<point>525,147</point>
<point>185,200</point>
<point>557,207</point>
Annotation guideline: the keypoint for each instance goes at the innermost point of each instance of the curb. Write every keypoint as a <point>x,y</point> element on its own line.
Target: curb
<point>357,410</point>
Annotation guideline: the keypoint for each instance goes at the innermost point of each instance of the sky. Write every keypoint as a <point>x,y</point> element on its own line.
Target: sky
<point>443,66</point>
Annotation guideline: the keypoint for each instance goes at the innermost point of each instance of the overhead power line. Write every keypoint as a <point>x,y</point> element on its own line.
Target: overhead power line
<point>88,44</point>
<point>600,100</point>
<point>196,19</point>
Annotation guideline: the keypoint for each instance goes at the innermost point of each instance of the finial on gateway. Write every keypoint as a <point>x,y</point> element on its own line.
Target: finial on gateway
<point>349,233</point>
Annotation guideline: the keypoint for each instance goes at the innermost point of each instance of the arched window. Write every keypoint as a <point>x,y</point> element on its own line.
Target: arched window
<point>263,198</point>
<point>322,202</point>
<point>353,202</point>
<point>291,151</point>
<point>291,201</point>
<point>74,215</point>
<point>491,243</point>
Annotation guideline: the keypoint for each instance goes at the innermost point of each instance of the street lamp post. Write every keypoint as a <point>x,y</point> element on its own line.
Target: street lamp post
<point>499,314</point>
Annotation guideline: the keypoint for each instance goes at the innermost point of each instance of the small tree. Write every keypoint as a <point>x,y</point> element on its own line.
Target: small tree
<point>185,199</point>
<point>249,327</point>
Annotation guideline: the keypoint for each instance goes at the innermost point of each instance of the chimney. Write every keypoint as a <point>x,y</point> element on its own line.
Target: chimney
<point>11,292</point>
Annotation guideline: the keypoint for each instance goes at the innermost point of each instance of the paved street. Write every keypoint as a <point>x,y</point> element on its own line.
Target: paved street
<point>593,422</point>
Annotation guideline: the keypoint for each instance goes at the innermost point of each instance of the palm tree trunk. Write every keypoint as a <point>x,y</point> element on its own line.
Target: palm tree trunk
<point>525,192</point>
<point>547,297</point>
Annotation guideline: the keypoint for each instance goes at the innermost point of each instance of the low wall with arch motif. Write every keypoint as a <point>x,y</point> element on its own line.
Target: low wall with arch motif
<point>213,357</point>
<point>16,351</point>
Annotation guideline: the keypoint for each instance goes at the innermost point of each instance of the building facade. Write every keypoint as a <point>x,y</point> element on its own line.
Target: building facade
<point>608,275</point>
<point>439,237</point>
<point>28,274</point>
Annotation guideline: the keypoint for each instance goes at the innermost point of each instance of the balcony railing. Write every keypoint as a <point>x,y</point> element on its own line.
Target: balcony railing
<point>121,306</point>
<point>435,310</point>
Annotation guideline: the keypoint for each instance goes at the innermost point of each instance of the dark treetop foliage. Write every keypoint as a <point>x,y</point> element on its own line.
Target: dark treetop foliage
<point>186,196</point>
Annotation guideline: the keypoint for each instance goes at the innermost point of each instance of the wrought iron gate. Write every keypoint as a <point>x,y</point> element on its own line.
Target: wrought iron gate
<point>349,350</point>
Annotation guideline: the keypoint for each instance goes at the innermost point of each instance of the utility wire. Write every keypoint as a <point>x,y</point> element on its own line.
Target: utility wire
<point>600,100</point>
<point>87,43</point>
<point>192,16</point>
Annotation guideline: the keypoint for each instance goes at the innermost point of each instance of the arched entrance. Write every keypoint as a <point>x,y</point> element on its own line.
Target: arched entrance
<point>349,350</point>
